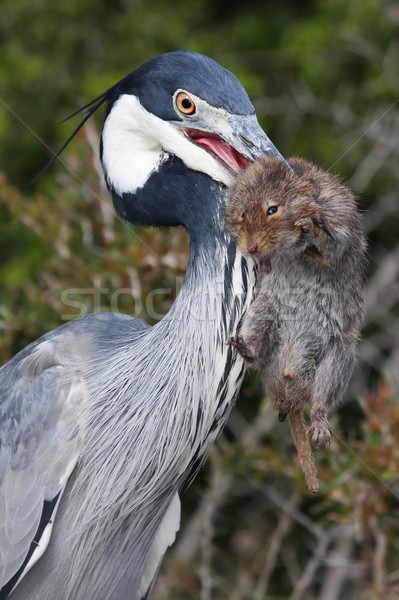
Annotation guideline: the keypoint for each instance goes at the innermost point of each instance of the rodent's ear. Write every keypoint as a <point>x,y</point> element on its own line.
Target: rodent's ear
<point>309,187</point>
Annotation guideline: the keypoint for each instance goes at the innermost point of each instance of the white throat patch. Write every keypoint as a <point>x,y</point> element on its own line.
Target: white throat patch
<point>136,143</point>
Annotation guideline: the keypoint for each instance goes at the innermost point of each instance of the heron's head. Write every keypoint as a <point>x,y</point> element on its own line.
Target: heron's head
<point>176,130</point>
<point>173,127</point>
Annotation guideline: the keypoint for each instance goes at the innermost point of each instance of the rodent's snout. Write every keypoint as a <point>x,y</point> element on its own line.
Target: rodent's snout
<point>252,243</point>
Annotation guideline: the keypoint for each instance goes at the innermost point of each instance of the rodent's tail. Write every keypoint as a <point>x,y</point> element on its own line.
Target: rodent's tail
<point>298,430</point>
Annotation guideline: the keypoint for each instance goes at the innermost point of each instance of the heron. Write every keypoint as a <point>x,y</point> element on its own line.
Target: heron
<point>103,418</point>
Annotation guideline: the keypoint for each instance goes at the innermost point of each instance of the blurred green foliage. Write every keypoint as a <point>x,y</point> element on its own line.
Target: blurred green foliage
<point>323,75</point>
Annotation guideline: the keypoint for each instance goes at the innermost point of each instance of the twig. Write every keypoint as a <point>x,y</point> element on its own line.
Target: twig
<point>274,547</point>
<point>379,557</point>
<point>296,514</point>
<point>312,565</point>
<point>336,574</point>
<point>218,488</point>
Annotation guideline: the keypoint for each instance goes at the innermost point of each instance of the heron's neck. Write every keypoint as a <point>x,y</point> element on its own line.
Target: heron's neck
<point>197,375</point>
<point>214,297</point>
<point>216,271</point>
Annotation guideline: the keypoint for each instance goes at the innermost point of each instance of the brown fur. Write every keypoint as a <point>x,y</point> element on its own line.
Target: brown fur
<point>303,228</point>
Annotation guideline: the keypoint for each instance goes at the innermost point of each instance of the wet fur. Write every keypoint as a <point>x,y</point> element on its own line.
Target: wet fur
<point>302,329</point>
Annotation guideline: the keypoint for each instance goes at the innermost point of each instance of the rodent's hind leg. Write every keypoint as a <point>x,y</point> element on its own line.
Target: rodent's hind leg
<point>320,429</point>
<point>237,342</point>
<point>332,376</point>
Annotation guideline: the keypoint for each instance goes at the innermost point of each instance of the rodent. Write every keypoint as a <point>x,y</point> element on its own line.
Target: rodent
<point>303,228</point>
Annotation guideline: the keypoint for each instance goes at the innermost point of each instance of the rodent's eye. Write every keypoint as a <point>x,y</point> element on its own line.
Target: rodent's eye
<point>185,104</point>
<point>271,210</point>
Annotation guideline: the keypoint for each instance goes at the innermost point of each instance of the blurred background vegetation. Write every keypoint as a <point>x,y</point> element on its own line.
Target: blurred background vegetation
<point>323,75</point>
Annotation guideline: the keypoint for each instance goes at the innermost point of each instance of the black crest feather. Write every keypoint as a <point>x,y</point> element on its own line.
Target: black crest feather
<point>87,111</point>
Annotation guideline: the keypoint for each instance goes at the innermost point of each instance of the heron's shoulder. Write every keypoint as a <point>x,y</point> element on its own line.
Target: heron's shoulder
<point>110,324</point>
<point>70,345</point>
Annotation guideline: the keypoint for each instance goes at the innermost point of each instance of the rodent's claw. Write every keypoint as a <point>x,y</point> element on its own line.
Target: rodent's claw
<point>325,225</point>
<point>315,224</point>
<point>320,434</point>
<point>282,416</point>
<point>237,342</point>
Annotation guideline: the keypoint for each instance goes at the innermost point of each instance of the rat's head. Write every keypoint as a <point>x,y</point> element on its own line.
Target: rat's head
<point>269,208</point>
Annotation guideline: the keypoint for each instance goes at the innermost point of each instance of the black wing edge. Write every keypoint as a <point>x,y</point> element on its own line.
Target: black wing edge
<point>48,509</point>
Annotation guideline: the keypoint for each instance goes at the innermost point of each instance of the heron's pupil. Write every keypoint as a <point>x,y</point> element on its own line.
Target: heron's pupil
<point>186,103</point>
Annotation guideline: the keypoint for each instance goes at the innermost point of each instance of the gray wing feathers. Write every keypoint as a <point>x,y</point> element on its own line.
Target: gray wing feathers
<point>164,538</point>
<point>39,442</point>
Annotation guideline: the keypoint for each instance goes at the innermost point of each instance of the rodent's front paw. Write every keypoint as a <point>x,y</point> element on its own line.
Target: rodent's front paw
<point>237,342</point>
<point>320,432</point>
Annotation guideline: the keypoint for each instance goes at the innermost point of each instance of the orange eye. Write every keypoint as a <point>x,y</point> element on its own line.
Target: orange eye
<point>185,104</point>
